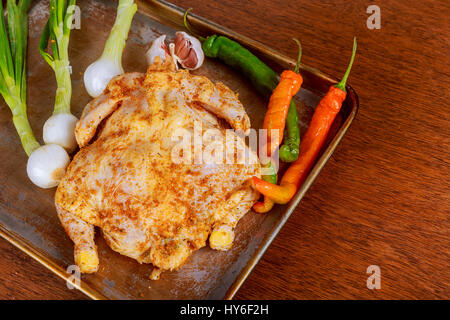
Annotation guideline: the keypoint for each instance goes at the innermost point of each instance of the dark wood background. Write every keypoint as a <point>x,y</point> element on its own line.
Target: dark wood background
<point>384,197</point>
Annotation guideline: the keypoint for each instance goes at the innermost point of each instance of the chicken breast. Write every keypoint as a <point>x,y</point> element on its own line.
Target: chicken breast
<point>155,197</point>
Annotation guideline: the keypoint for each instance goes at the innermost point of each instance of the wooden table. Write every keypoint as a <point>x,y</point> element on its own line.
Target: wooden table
<point>384,197</point>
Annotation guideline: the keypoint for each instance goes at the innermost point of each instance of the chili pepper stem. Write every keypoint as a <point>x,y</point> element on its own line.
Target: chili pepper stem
<point>342,83</point>
<point>188,27</point>
<point>297,66</point>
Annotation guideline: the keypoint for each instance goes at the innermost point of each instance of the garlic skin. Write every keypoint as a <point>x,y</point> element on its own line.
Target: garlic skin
<point>60,129</point>
<point>158,49</point>
<point>188,51</point>
<point>47,165</point>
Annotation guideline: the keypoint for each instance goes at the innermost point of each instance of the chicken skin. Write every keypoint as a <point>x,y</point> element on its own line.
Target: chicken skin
<point>154,199</point>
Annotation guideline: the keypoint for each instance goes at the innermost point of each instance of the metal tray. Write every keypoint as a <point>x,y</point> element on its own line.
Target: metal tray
<point>27,214</point>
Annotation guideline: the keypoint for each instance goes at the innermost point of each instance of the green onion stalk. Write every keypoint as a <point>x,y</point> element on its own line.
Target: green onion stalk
<point>13,50</point>
<point>109,65</point>
<point>60,127</point>
<point>46,164</point>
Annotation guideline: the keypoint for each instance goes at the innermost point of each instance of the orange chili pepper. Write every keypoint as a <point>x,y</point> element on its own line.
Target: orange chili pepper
<point>275,118</point>
<point>267,204</point>
<point>310,144</point>
<point>264,206</point>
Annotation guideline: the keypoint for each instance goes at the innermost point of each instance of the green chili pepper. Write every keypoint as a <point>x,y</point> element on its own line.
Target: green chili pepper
<point>263,78</point>
<point>272,177</point>
<point>289,151</point>
<point>267,204</point>
<point>233,54</point>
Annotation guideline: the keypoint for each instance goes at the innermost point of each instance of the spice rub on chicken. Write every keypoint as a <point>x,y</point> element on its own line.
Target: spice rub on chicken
<point>125,181</point>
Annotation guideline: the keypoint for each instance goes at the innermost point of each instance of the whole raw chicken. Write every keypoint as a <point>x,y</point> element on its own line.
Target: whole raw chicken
<point>127,181</point>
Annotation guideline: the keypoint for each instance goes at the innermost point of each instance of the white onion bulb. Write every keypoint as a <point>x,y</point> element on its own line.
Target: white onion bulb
<point>98,75</point>
<point>47,165</point>
<point>60,129</point>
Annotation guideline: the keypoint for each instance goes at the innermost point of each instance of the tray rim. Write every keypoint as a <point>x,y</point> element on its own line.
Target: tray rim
<point>22,244</point>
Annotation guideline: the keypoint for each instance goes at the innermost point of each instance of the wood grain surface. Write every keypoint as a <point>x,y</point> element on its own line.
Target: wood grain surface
<point>384,197</point>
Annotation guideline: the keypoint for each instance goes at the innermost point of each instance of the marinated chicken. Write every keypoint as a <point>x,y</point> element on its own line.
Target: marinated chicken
<point>125,181</point>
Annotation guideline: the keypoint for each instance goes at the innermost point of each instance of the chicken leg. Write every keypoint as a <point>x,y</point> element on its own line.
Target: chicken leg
<point>82,235</point>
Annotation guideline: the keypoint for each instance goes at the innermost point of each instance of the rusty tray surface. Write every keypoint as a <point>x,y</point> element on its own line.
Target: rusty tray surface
<point>27,213</point>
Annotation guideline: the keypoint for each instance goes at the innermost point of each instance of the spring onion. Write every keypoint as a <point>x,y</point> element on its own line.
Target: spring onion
<point>109,65</point>
<point>60,127</point>
<point>46,165</point>
<point>13,69</point>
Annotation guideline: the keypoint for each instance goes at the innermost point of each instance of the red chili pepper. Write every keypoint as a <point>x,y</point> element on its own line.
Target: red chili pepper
<point>310,144</point>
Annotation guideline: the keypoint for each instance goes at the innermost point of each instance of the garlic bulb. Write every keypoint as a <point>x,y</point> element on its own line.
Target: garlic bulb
<point>188,51</point>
